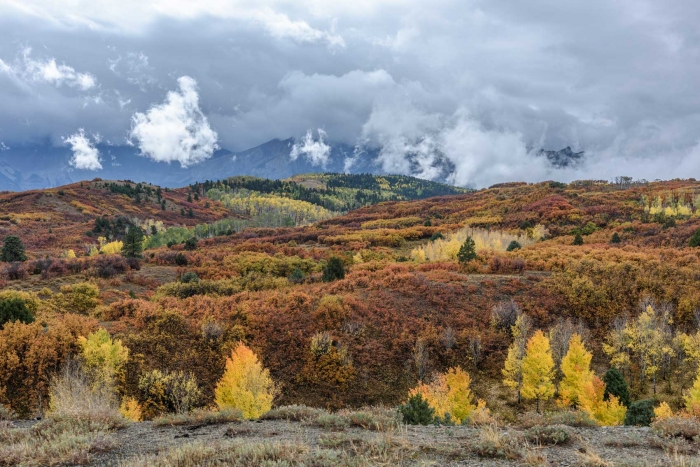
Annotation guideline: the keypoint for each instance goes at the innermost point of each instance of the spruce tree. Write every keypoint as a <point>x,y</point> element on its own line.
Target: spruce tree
<point>334,270</point>
<point>12,250</point>
<point>578,239</point>
<point>615,238</point>
<point>616,385</point>
<point>133,243</point>
<point>467,252</point>
<point>695,239</point>
<point>514,245</point>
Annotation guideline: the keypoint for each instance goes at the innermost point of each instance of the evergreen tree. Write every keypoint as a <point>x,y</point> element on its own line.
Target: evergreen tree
<point>15,309</point>
<point>576,368</point>
<point>333,270</point>
<point>615,238</point>
<point>191,244</point>
<point>467,252</point>
<point>189,197</point>
<point>578,239</point>
<point>12,250</point>
<point>615,385</point>
<point>695,239</point>
<point>538,369</point>
<point>417,411</point>
<point>133,243</point>
<point>514,245</point>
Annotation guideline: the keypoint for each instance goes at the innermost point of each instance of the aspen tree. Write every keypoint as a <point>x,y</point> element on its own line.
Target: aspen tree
<point>537,369</point>
<point>576,369</point>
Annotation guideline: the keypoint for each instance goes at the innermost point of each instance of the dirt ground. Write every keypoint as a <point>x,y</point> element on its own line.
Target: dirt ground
<point>423,445</point>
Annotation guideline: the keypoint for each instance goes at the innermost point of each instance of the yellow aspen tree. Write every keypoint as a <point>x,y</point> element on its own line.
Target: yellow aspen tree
<point>512,369</point>
<point>692,400</point>
<point>576,368</point>
<point>606,413</point>
<point>537,368</point>
<point>663,411</point>
<point>448,393</point>
<point>102,356</point>
<point>245,384</point>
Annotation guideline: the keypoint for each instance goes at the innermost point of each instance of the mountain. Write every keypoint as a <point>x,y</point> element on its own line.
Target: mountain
<point>37,166</point>
<point>563,158</point>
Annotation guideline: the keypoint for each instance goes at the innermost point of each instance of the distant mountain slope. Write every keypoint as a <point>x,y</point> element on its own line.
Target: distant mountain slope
<point>40,166</point>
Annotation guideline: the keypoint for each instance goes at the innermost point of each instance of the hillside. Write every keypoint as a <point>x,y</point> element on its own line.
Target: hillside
<point>611,262</point>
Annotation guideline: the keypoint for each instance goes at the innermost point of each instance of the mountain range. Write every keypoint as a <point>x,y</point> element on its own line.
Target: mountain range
<point>37,166</point>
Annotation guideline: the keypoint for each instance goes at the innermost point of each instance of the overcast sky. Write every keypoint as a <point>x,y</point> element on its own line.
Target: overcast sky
<point>481,83</point>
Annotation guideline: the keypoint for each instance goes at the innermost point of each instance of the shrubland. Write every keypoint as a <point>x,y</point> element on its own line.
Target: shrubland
<point>468,308</point>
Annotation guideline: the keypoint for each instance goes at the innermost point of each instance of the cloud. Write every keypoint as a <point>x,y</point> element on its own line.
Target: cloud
<point>315,151</point>
<point>85,155</point>
<point>175,130</point>
<point>50,72</point>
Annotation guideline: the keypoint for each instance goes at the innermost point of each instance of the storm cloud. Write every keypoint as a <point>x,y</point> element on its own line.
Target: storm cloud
<point>480,84</point>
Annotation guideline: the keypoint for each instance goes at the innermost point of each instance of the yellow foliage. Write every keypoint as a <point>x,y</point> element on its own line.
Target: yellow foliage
<point>576,369</point>
<point>30,299</point>
<point>692,400</point>
<point>606,413</point>
<point>396,223</point>
<point>447,248</point>
<point>76,298</point>
<point>663,411</point>
<point>130,409</point>
<point>513,367</point>
<point>245,385</point>
<point>68,254</point>
<point>449,393</point>
<point>538,368</point>
<point>102,355</point>
<point>112,248</point>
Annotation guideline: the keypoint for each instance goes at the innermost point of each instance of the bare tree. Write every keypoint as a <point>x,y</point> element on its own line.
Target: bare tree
<point>420,359</point>
<point>476,350</point>
<point>448,337</point>
<point>504,314</point>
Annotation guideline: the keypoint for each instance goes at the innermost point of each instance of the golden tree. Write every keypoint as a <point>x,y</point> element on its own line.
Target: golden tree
<point>692,400</point>
<point>575,366</point>
<point>513,367</point>
<point>245,385</point>
<point>592,400</point>
<point>448,393</point>
<point>537,368</point>
<point>102,356</point>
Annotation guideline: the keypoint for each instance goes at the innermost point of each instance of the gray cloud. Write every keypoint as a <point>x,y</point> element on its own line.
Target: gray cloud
<point>481,84</point>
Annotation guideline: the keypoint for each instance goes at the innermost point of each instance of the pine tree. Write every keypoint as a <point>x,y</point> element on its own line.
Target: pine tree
<point>245,385</point>
<point>578,239</point>
<point>695,239</point>
<point>575,367</point>
<point>133,243</point>
<point>513,245</point>
<point>615,385</point>
<point>12,250</point>
<point>333,270</point>
<point>467,252</point>
<point>615,238</point>
<point>538,368</point>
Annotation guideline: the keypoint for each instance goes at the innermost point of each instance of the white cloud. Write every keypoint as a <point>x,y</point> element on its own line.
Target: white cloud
<point>315,151</point>
<point>50,72</point>
<point>85,155</point>
<point>3,146</point>
<point>175,130</point>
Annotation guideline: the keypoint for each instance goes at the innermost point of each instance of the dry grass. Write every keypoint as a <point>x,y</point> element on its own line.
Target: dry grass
<point>200,417</point>
<point>495,443</point>
<point>81,417</point>
<point>378,452</point>
<point>588,457</point>
<point>293,413</point>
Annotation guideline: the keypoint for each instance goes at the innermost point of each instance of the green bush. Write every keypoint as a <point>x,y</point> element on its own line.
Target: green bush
<point>189,276</point>
<point>548,435</point>
<point>578,239</point>
<point>615,238</point>
<point>640,413</point>
<point>12,250</point>
<point>181,260</point>
<point>333,270</point>
<point>616,385</point>
<point>191,244</point>
<point>514,245</point>
<point>297,276</point>
<point>416,411</point>
<point>15,309</point>
<point>695,239</point>
<point>437,236</point>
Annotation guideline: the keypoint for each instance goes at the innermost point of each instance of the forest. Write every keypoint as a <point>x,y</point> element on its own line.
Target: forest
<point>520,301</point>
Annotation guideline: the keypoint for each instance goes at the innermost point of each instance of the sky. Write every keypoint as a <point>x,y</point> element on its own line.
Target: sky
<point>482,84</point>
